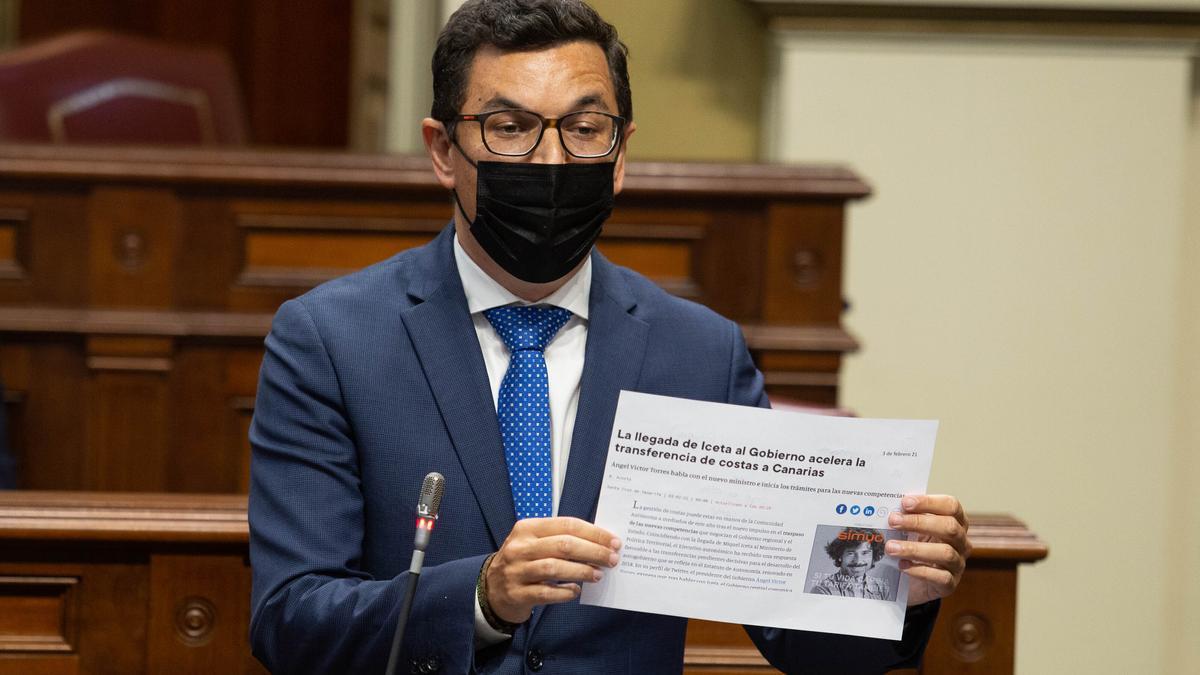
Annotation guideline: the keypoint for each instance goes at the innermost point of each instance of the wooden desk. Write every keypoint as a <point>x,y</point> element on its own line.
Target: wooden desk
<point>104,583</point>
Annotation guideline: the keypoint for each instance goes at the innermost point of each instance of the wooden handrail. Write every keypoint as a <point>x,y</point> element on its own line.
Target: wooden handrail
<point>207,518</point>
<point>293,169</point>
<point>120,516</point>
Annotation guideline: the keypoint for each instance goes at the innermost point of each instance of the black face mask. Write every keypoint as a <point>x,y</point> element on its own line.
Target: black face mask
<point>538,221</point>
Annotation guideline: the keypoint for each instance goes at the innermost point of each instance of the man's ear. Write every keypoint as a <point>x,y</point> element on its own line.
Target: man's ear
<point>619,170</point>
<point>437,144</point>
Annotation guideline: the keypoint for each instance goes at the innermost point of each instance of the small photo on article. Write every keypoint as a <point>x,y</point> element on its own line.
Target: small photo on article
<point>849,562</point>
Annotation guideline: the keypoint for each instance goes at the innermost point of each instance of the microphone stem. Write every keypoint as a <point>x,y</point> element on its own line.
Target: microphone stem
<point>405,608</point>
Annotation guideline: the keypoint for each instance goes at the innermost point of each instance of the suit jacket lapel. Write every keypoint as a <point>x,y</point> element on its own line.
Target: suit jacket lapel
<point>443,335</point>
<point>616,344</point>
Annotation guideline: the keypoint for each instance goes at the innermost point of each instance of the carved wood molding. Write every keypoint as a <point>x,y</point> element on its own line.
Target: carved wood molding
<point>49,320</point>
<point>725,657</point>
<point>396,173</point>
<point>130,364</point>
<point>763,337</point>
<point>714,180</point>
<point>258,229</point>
<point>115,516</point>
<point>1135,20</point>
<point>1149,13</point>
<point>997,538</point>
<point>46,606</point>
<point>195,619</point>
<point>254,327</point>
<point>291,221</point>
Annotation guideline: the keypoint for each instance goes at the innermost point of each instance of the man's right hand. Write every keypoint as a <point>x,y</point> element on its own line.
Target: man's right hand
<point>544,561</point>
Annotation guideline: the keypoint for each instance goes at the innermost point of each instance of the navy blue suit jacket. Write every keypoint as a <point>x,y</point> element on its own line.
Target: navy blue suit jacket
<point>375,379</point>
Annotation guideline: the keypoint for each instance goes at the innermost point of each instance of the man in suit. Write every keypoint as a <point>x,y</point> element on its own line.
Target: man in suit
<point>495,356</point>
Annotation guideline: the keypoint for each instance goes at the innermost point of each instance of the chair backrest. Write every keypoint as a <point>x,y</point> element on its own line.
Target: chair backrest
<point>99,87</point>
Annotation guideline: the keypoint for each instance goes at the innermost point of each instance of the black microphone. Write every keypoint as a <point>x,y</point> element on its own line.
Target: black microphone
<point>428,504</point>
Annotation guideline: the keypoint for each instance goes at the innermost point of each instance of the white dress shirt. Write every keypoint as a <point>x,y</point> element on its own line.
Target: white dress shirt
<point>564,366</point>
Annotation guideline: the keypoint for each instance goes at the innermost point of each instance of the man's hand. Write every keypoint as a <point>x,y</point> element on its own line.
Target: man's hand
<point>544,561</point>
<point>936,559</point>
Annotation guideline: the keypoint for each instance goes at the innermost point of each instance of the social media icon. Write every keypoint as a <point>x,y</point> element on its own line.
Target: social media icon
<point>854,510</point>
<point>869,511</point>
<point>841,508</point>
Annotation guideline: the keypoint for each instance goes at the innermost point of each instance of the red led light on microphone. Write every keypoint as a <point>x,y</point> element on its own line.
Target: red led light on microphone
<point>425,523</point>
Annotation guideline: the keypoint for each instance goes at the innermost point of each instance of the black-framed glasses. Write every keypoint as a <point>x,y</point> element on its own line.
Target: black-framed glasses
<point>586,134</point>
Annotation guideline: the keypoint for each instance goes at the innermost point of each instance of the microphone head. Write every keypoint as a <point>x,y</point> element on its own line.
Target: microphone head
<point>431,495</point>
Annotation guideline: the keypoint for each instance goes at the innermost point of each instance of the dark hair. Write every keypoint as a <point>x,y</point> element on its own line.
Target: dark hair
<point>853,537</point>
<point>519,25</point>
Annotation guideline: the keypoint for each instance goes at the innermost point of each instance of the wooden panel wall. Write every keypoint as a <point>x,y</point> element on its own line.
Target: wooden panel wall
<point>136,286</point>
<point>292,58</point>
<point>120,585</point>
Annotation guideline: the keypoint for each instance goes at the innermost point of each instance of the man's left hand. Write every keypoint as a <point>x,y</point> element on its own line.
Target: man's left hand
<point>936,558</point>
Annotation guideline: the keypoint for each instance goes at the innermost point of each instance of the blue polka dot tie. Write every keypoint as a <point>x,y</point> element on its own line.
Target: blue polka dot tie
<point>523,405</point>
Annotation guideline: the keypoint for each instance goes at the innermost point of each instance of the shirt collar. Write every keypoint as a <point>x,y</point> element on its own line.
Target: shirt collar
<point>484,293</point>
